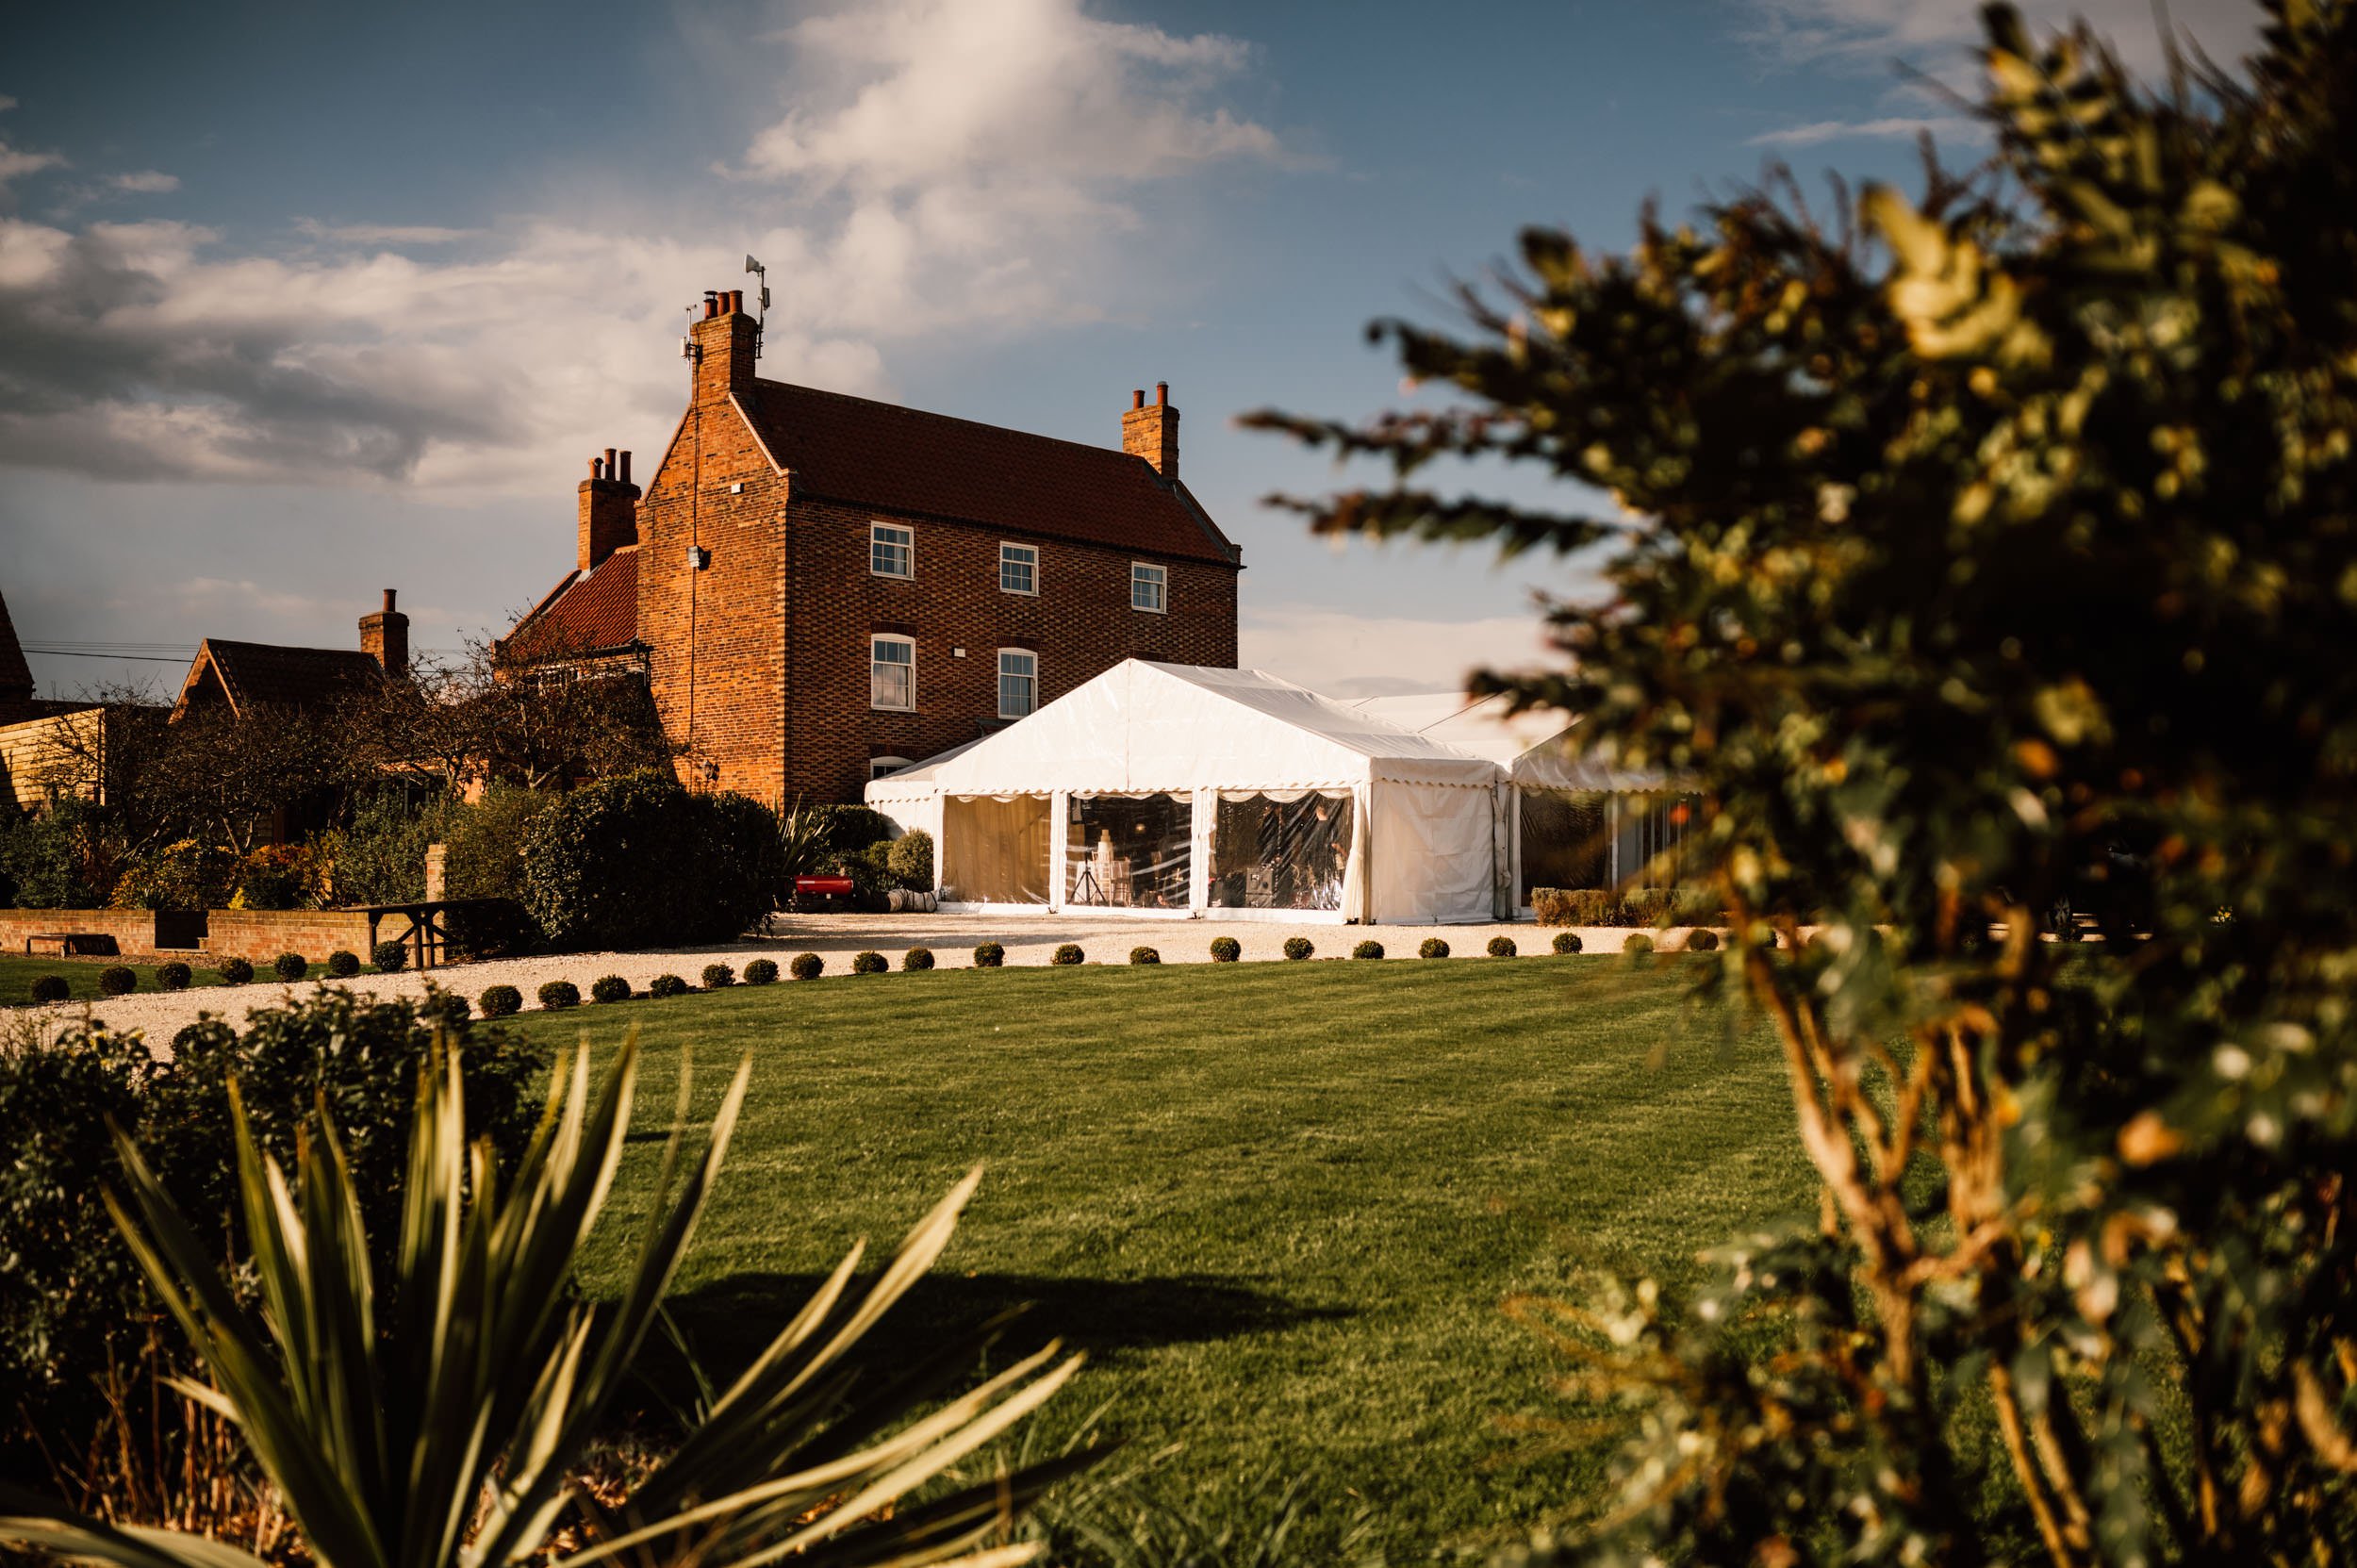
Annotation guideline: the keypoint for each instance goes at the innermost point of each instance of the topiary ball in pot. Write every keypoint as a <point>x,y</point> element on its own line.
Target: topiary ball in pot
<point>174,976</point>
<point>868,963</point>
<point>806,966</point>
<point>344,963</point>
<point>117,980</point>
<point>666,985</point>
<point>290,967</point>
<point>1299,948</point>
<point>1226,949</point>
<point>500,1002</point>
<point>51,989</point>
<point>1567,941</point>
<point>918,958</point>
<point>1069,953</point>
<point>392,957</point>
<point>1367,949</point>
<point>1145,955</point>
<point>762,971</point>
<point>1503,947</point>
<point>234,971</point>
<point>609,988</point>
<point>1703,941</point>
<point>718,977</point>
<point>560,993</point>
<point>1638,944</point>
<point>989,955</point>
<point>1433,947</point>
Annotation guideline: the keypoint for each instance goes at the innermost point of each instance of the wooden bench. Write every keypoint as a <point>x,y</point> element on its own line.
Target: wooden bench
<point>69,943</point>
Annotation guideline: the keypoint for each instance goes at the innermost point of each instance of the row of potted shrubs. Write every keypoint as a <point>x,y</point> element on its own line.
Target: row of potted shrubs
<point>120,980</point>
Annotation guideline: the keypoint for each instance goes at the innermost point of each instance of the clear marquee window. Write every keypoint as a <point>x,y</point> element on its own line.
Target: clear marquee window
<point>891,672</point>
<point>1149,587</point>
<point>891,550</point>
<point>1018,569</point>
<point>1018,682</point>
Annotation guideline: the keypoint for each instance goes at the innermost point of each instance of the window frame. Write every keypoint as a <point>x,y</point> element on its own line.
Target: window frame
<point>1032,654</point>
<point>908,532</point>
<point>899,765</point>
<point>1160,578</point>
<point>874,640</point>
<point>1031,549</point>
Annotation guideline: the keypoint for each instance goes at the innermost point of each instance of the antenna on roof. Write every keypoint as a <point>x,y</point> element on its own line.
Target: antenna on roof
<point>756,269</point>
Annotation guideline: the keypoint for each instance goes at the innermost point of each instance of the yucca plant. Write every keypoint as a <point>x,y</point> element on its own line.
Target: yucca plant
<point>431,1419</point>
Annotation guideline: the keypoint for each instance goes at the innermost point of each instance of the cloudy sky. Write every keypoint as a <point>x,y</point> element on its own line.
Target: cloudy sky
<point>298,302</point>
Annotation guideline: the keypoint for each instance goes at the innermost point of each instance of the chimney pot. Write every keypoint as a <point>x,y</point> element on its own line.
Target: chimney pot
<point>610,470</point>
<point>1137,399</point>
<point>388,601</point>
<point>625,467</point>
<point>593,465</point>
<point>1161,393</point>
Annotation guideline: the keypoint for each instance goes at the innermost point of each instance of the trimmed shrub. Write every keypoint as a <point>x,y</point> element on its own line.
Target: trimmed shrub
<point>447,1008</point>
<point>1068,954</point>
<point>1367,949</point>
<point>51,989</point>
<point>718,977</point>
<point>499,1001</point>
<point>557,993</point>
<point>1299,948</point>
<point>806,966</point>
<point>666,985</point>
<point>918,958</point>
<point>344,963</point>
<point>868,963</point>
<point>640,861</point>
<point>174,976</point>
<point>290,967</point>
<point>1703,941</point>
<point>1637,945</point>
<point>1503,947</point>
<point>392,957</point>
<point>848,829</point>
<point>1636,906</point>
<point>1226,949</point>
<point>911,860</point>
<point>117,980</point>
<point>234,971</point>
<point>989,955</point>
<point>1145,955</point>
<point>609,988</point>
<point>1567,941</point>
<point>1433,946</point>
<point>762,971</point>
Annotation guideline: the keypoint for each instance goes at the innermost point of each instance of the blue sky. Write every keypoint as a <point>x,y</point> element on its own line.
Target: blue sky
<point>298,302</point>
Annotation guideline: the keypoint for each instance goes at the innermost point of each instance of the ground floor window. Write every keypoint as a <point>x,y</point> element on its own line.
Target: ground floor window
<point>1566,841</point>
<point>1271,852</point>
<point>994,849</point>
<point>1129,850</point>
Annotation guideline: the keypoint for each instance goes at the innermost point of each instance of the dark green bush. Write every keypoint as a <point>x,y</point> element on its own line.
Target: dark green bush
<point>48,988</point>
<point>1069,953</point>
<point>848,829</point>
<point>482,859</point>
<point>1367,949</point>
<point>989,955</point>
<point>392,957</point>
<point>174,976</point>
<point>58,858</point>
<point>640,861</point>
<point>290,967</point>
<point>234,971</point>
<point>762,971</point>
<point>1636,906</point>
<point>1299,948</point>
<point>117,980</point>
<point>911,860</point>
<point>1433,947</point>
<point>1145,955</point>
<point>1567,941</point>
<point>1503,947</point>
<point>666,985</point>
<point>609,988</point>
<point>557,993</point>
<point>1638,944</point>
<point>718,977</point>
<point>918,958</point>
<point>868,963</point>
<point>806,966</point>
<point>1226,949</point>
<point>1703,941</point>
<point>344,963</point>
<point>498,1001</point>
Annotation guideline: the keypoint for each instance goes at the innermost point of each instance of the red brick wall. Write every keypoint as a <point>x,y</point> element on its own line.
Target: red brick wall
<point>262,934</point>
<point>134,929</point>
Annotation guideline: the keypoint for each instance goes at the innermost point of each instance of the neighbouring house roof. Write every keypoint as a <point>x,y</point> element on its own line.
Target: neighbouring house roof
<point>585,613</point>
<point>16,676</point>
<point>869,454</point>
<point>263,674</point>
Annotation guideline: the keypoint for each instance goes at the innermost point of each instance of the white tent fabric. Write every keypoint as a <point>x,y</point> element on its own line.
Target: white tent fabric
<point>1535,747</point>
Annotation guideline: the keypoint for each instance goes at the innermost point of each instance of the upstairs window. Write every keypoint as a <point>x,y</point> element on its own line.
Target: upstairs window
<point>883,768</point>
<point>1018,682</point>
<point>891,550</point>
<point>1149,587</point>
<point>1018,569</point>
<point>891,672</point>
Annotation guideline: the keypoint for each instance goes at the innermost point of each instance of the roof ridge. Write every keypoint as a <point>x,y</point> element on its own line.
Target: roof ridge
<point>959,419</point>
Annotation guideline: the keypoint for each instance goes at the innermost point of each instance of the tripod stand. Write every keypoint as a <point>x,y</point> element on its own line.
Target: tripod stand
<point>1085,887</point>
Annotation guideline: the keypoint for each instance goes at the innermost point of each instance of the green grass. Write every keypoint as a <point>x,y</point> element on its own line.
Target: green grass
<point>1279,1204</point>
<point>18,972</point>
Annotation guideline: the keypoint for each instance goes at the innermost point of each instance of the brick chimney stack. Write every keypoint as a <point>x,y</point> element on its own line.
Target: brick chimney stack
<point>725,341</point>
<point>1152,432</point>
<point>609,509</point>
<point>384,638</point>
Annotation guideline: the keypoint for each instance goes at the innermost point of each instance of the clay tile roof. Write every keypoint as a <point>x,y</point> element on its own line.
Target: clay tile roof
<point>904,460</point>
<point>583,615</point>
<point>16,676</point>
<point>267,675</point>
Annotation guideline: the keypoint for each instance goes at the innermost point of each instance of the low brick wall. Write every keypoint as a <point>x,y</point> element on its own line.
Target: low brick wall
<point>262,934</point>
<point>134,929</point>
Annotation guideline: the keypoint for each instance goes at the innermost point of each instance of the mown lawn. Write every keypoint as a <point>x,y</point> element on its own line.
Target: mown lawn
<point>1279,1204</point>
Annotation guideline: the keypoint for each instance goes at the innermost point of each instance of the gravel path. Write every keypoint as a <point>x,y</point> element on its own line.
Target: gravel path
<point>1029,940</point>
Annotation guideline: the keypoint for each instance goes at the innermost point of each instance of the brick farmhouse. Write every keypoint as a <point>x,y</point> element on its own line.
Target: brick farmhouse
<point>820,588</point>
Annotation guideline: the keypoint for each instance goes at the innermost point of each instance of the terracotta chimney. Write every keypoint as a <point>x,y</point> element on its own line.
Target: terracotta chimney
<point>609,510</point>
<point>1152,432</point>
<point>384,638</point>
<point>726,342</point>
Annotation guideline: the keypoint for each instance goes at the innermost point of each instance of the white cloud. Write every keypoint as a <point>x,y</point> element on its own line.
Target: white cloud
<point>15,164</point>
<point>1945,127</point>
<point>1344,654</point>
<point>1937,35</point>
<point>382,233</point>
<point>7,103</point>
<point>144,182</point>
